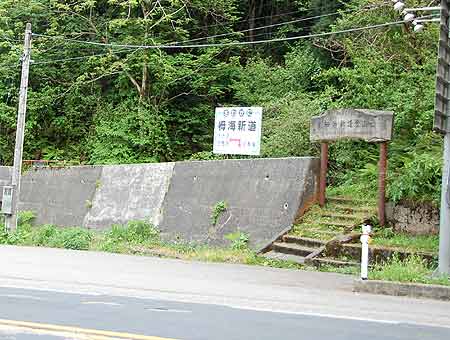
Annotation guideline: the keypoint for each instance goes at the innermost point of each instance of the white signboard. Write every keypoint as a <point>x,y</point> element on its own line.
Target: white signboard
<point>237,130</point>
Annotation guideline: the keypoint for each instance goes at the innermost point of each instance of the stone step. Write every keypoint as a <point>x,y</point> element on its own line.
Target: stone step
<point>379,254</point>
<point>336,224</point>
<point>303,241</point>
<point>320,261</point>
<point>349,200</point>
<point>318,229</point>
<point>272,255</point>
<point>350,209</point>
<point>292,248</point>
<point>343,216</point>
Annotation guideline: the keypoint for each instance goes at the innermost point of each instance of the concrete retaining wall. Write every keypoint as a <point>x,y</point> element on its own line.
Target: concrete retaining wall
<point>59,196</point>
<point>129,193</point>
<point>263,196</point>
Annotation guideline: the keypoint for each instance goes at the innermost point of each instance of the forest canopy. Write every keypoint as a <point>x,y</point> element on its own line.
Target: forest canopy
<point>105,104</point>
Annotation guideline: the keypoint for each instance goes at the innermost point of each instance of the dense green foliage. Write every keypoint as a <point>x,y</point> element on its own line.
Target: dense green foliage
<point>149,105</point>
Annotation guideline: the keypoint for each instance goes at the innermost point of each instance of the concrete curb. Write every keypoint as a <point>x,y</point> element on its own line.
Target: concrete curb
<point>415,290</point>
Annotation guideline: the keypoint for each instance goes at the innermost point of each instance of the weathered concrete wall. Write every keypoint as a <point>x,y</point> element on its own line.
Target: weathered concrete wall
<point>413,218</point>
<point>128,193</point>
<point>59,196</point>
<point>263,197</point>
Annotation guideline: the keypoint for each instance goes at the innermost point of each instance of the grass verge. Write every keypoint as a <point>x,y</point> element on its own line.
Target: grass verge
<point>429,243</point>
<point>138,238</point>
<point>413,269</point>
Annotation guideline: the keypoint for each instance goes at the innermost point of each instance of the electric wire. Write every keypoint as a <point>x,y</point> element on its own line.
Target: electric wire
<point>278,24</point>
<point>235,32</point>
<point>262,17</point>
<point>251,29</point>
<point>260,27</point>
<point>77,58</point>
<point>228,44</point>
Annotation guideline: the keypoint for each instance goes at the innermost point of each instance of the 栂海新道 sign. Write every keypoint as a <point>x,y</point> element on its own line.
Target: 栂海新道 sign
<point>237,131</point>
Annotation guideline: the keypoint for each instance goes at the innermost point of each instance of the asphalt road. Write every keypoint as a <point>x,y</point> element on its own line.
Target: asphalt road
<point>191,321</point>
<point>109,295</point>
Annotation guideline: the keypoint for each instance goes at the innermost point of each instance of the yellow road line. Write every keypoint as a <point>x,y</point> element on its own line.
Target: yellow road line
<point>77,330</point>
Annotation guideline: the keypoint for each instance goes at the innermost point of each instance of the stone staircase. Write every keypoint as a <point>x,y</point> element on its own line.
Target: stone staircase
<point>307,242</point>
<point>295,249</point>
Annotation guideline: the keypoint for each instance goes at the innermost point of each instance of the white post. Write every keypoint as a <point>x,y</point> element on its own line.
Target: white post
<point>442,125</point>
<point>444,239</point>
<point>365,237</point>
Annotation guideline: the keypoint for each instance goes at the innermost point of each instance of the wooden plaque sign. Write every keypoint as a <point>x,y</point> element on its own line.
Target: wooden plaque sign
<point>369,125</point>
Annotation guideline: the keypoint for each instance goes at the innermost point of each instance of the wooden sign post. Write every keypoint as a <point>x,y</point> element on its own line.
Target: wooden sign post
<point>369,125</point>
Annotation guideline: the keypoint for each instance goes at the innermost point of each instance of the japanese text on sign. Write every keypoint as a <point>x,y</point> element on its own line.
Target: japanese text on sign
<point>238,130</point>
<point>369,125</point>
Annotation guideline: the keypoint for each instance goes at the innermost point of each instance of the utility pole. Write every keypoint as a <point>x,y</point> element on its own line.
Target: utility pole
<point>11,220</point>
<point>441,113</point>
<point>441,125</point>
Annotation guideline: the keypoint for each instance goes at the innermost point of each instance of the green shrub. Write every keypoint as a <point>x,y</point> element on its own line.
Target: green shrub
<point>3,236</point>
<point>112,246</point>
<point>141,231</point>
<point>239,240</point>
<point>73,238</point>
<point>42,235</point>
<point>25,218</point>
<point>418,179</point>
<point>135,232</point>
<point>22,234</point>
<point>217,210</point>
<point>117,233</point>
<point>206,156</point>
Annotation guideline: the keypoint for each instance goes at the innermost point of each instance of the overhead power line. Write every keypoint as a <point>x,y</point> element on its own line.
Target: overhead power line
<point>242,31</point>
<point>229,44</point>
<point>263,17</point>
<point>277,24</point>
<point>255,19</point>
<point>53,61</point>
<point>260,28</point>
<point>246,30</point>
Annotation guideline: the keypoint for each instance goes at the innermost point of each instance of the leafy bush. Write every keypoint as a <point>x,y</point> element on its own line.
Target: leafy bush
<point>136,134</point>
<point>3,236</point>
<point>135,232</point>
<point>419,178</point>
<point>140,232</point>
<point>239,240</point>
<point>25,218</point>
<point>206,156</point>
<point>23,232</point>
<point>217,210</point>
<point>68,238</point>
<point>117,233</point>
<point>72,238</point>
<point>42,235</point>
